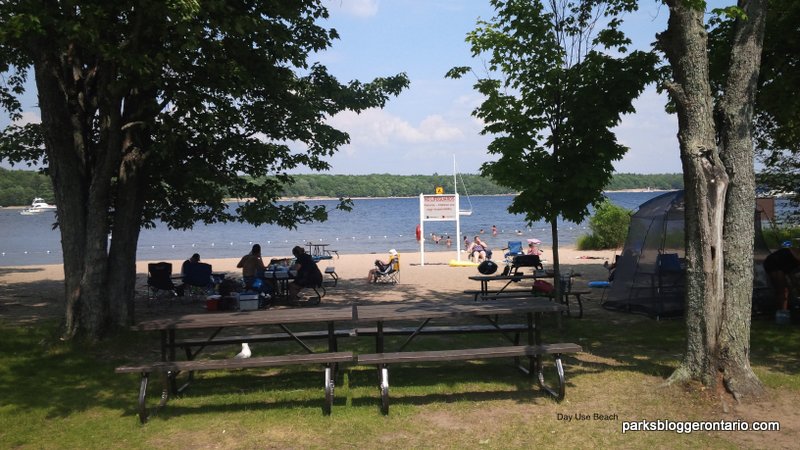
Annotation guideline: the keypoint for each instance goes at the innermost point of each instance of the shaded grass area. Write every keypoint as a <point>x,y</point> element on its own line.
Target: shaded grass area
<point>66,395</point>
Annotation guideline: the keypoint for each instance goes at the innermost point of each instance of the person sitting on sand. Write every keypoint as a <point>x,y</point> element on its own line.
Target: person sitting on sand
<point>533,247</point>
<point>252,266</point>
<point>384,268</point>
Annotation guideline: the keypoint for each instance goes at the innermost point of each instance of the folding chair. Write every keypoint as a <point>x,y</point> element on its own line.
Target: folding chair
<point>669,273</point>
<point>197,277</point>
<point>392,272</point>
<point>159,278</point>
<point>514,249</point>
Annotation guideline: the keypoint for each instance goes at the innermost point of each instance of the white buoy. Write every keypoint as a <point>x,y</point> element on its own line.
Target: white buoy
<point>26,252</point>
<point>173,245</point>
<point>212,244</point>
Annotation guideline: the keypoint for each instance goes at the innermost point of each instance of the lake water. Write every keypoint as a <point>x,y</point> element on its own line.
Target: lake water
<point>373,226</point>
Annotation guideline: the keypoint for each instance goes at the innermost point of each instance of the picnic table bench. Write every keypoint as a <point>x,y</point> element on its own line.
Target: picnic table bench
<point>533,309</point>
<point>166,368</point>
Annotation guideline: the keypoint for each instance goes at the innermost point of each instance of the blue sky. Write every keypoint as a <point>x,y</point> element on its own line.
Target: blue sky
<point>420,131</point>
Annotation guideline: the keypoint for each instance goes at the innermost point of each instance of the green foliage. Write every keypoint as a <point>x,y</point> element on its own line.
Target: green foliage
<point>555,89</point>
<point>777,108</point>
<point>201,92</point>
<point>775,236</point>
<point>19,188</point>
<point>609,226</point>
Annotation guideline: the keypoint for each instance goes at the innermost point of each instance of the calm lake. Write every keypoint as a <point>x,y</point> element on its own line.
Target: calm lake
<point>373,226</point>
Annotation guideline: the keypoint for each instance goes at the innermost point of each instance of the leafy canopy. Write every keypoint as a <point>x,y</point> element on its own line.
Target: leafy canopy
<point>213,89</point>
<point>558,78</point>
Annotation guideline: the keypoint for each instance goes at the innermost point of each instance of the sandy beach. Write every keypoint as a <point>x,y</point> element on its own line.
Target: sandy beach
<point>32,293</point>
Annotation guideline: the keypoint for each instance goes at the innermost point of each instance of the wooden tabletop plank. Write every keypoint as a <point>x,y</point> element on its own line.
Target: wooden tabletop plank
<point>361,313</point>
<point>328,313</point>
<point>404,311</point>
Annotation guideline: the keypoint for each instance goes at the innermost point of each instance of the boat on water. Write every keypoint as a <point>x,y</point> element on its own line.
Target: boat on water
<point>461,212</point>
<point>39,203</point>
<point>38,206</point>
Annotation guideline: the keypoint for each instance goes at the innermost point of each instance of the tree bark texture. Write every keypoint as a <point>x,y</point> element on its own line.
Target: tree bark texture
<point>719,288</point>
<point>83,140</point>
<point>735,119</point>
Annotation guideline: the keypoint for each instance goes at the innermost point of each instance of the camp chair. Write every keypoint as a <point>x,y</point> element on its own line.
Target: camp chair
<point>159,278</point>
<point>514,249</point>
<point>669,273</point>
<point>521,261</point>
<point>197,277</point>
<point>392,272</point>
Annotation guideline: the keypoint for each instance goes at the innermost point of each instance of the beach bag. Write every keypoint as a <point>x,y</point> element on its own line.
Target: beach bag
<point>542,286</point>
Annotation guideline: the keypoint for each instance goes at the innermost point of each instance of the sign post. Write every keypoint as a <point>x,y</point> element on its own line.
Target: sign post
<point>438,208</point>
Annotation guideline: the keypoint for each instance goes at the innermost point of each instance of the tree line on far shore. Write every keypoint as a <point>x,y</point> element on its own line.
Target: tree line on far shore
<point>20,187</point>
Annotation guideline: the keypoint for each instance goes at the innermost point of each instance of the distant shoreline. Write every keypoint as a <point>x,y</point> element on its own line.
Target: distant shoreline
<point>314,198</point>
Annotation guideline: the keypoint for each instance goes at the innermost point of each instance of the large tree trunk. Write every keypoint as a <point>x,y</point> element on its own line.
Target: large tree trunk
<point>82,126</point>
<point>706,182</point>
<point>717,324</point>
<point>735,118</point>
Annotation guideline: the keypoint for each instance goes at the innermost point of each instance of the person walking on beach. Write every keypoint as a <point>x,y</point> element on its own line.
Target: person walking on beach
<point>252,266</point>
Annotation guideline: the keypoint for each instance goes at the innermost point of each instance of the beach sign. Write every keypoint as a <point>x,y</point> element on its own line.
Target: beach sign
<point>438,208</point>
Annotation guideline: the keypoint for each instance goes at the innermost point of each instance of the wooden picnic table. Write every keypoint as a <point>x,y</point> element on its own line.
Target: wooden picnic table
<point>364,316</point>
<point>484,292</point>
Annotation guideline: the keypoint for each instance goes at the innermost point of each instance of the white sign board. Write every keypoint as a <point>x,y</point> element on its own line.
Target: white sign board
<point>439,207</point>
<point>433,208</point>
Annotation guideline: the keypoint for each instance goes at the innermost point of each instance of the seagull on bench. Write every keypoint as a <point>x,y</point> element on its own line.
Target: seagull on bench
<point>245,353</point>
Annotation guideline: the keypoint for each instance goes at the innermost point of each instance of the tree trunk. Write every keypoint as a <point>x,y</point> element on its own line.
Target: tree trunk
<point>556,263</point>
<point>735,116</point>
<point>717,319</point>
<point>706,182</point>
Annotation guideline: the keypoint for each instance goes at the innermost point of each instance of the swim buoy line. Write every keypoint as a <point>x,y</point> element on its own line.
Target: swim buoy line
<point>419,232</point>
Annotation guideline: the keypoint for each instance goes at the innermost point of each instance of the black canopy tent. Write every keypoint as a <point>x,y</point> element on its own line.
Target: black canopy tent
<point>650,274</point>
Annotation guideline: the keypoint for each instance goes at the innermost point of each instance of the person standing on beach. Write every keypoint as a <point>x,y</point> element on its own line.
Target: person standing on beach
<point>449,242</point>
<point>494,230</point>
<point>780,266</point>
<point>252,266</point>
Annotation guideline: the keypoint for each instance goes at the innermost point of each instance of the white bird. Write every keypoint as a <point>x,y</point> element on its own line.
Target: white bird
<point>245,353</point>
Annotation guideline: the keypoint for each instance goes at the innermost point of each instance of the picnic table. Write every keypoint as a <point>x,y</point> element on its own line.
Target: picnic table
<point>370,320</point>
<point>484,293</point>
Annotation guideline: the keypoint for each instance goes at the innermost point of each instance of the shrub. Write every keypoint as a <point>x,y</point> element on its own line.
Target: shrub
<point>609,226</point>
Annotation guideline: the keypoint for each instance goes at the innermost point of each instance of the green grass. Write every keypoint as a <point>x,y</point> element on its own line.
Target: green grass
<point>66,395</point>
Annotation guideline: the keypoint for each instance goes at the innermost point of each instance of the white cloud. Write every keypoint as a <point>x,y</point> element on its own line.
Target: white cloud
<point>357,8</point>
<point>378,127</point>
<point>29,117</point>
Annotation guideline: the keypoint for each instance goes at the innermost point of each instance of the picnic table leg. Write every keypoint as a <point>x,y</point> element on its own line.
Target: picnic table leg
<point>326,408</point>
<point>172,376</point>
<point>142,401</point>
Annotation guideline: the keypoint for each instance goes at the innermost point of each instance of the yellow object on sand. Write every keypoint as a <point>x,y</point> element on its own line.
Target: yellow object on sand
<point>454,263</point>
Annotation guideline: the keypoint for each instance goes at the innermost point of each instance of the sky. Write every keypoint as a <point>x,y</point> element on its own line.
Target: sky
<point>430,124</point>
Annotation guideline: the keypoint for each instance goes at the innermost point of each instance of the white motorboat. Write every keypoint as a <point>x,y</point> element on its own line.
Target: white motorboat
<point>40,204</point>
